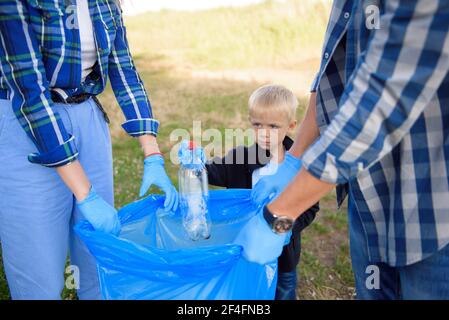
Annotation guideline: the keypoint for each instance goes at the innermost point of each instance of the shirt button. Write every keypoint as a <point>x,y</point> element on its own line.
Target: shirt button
<point>326,55</point>
<point>346,15</point>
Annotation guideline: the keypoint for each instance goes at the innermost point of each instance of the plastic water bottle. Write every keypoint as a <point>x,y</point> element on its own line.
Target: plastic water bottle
<point>193,192</point>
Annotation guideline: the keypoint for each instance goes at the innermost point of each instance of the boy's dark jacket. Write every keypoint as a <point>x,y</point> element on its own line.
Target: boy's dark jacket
<point>235,171</point>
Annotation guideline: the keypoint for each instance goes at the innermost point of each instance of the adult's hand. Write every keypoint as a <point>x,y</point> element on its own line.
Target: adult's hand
<point>99,213</point>
<point>154,173</point>
<point>260,244</point>
<point>271,186</point>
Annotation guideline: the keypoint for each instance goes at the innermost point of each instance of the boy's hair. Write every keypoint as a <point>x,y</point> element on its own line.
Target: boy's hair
<point>273,98</point>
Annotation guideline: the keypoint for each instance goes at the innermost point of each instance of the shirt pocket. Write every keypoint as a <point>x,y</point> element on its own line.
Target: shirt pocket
<point>108,18</point>
<point>50,9</point>
<point>48,21</point>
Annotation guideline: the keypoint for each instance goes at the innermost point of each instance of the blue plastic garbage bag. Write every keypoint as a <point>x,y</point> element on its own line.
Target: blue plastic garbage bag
<point>153,258</point>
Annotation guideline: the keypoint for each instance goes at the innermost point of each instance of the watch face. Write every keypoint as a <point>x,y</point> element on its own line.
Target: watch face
<point>282,225</point>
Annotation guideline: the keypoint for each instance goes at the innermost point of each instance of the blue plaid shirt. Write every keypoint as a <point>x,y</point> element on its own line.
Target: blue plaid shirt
<point>40,53</point>
<point>383,113</point>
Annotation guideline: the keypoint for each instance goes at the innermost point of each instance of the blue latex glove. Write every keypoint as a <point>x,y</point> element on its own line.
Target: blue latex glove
<point>260,244</point>
<point>271,186</point>
<point>101,215</point>
<point>190,155</point>
<point>154,173</point>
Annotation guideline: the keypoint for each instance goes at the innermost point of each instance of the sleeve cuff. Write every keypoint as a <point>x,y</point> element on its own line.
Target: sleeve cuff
<point>325,166</point>
<point>324,171</point>
<point>59,156</point>
<point>139,127</point>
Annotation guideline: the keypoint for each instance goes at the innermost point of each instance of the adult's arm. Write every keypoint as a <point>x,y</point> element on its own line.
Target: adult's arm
<point>308,131</point>
<point>395,79</point>
<point>21,65</point>
<point>129,90</point>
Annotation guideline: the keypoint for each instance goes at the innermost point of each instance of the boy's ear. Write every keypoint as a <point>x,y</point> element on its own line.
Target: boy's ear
<point>293,124</point>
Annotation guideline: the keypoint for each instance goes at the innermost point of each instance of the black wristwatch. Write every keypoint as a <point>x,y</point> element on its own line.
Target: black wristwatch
<point>280,224</point>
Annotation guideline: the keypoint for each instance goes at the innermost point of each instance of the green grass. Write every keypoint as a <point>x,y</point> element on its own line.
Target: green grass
<point>269,36</point>
<point>325,270</point>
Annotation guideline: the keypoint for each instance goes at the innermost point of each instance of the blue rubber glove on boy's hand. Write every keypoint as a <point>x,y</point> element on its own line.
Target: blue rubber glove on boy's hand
<point>271,186</point>
<point>154,173</point>
<point>101,215</point>
<point>260,244</point>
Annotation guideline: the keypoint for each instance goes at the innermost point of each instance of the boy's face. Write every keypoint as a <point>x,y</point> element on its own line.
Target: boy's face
<point>271,129</point>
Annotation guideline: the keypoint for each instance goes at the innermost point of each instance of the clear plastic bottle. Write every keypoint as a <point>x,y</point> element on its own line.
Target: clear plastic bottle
<point>193,192</point>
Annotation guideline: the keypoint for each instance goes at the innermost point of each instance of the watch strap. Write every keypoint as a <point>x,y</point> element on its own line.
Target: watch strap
<point>269,217</point>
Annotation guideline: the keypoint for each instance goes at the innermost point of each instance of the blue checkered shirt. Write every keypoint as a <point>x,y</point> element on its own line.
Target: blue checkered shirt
<point>40,54</point>
<point>383,112</point>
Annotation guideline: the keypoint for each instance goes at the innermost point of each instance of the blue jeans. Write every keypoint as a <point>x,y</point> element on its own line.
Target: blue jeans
<point>424,280</point>
<point>38,211</point>
<point>286,286</point>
